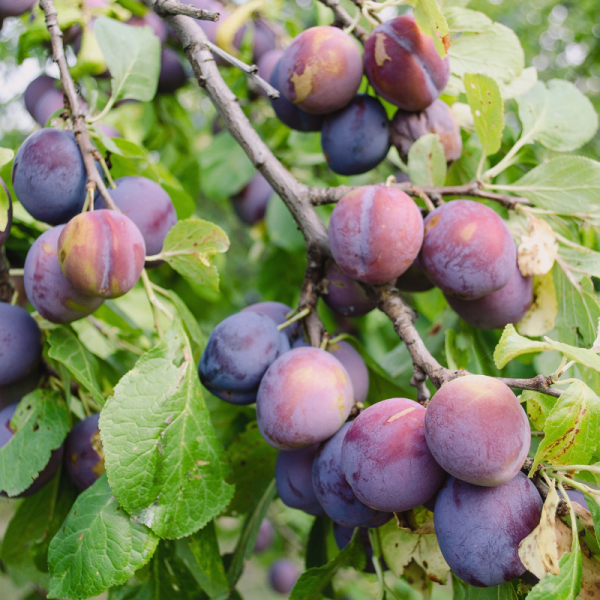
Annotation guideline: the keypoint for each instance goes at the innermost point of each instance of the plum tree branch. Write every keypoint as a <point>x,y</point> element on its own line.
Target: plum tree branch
<point>343,18</point>
<point>174,7</point>
<point>75,105</point>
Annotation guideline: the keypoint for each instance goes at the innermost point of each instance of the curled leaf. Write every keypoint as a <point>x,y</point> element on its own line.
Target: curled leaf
<point>538,250</point>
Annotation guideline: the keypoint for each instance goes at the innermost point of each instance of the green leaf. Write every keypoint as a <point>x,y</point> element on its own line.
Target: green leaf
<point>463,591</point>
<point>427,161</point>
<point>487,106</point>
<point>312,582</point>
<point>6,155</point>
<point>558,116</point>
<point>40,423</point>
<point>182,201</point>
<point>457,355</point>
<point>190,247</point>
<point>133,58</point>
<point>539,407</point>
<point>252,469</point>
<point>163,459</point>
<point>431,20</point>
<point>316,547</point>
<point>512,344</point>
<point>572,428</point>
<point>99,546</point>
<point>595,511</point>
<point>541,316</point>
<point>281,227</point>
<point>5,208</point>
<point>67,349</point>
<point>190,324</point>
<point>566,185</point>
<point>581,261</point>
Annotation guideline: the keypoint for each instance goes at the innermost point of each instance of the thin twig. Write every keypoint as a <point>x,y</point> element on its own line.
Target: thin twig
<point>173,7</point>
<point>343,18</point>
<point>7,289</point>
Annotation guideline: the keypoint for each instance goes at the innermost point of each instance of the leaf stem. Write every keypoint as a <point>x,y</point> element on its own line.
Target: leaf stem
<point>508,159</point>
<point>154,302</point>
<point>300,315</point>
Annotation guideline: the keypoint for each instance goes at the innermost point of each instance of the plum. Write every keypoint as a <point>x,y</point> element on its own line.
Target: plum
<point>288,113</point>
<point>375,233</point>
<point>84,458</point>
<point>345,296</point>
<point>477,430</point>
<point>264,38</point>
<point>251,203</point>
<point>283,575</point>
<point>414,280</point>
<point>46,474</point>
<point>579,497</point>
<point>403,66</point>
<point>468,250</point>
<point>238,352</point>
<point>48,289</point>
<point>5,225</point>
<point>36,89</point>
<point>13,392</point>
<point>479,528</point>
<point>408,127</point>
<point>356,138</point>
<point>266,64</point>
<point>355,366</point>
<point>304,398</point>
<point>15,8</point>
<point>266,534</point>
<point>49,176</point>
<point>47,105</point>
<point>496,310</point>
<point>148,205</point>
<point>386,459</point>
<point>334,492</point>
<point>293,476</point>
<point>172,75</point>
<point>279,313</point>
<point>20,344</point>
<point>321,70</point>
<point>101,253</point>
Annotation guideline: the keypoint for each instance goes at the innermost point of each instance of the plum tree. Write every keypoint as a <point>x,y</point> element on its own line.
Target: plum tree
<point>414,279</point>
<point>251,203</point>
<point>101,253</point>
<point>283,575</point>
<point>407,127</point>
<point>6,203</point>
<point>467,250</point>
<point>148,205</point>
<point>279,313</point>
<point>48,289</point>
<point>356,138</point>
<point>354,364</point>
<point>304,398</point>
<point>479,528</point>
<point>20,344</point>
<point>334,492</point>
<point>386,459</point>
<point>293,476</point>
<point>492,311</point>
<point>403,65</point>
<point>172,74</point>
<point>14,8</point>
<point>84,458</point>
<point>49,177</point>
<point>238,352</point>
<point>321,69</point>
<point>477,430</point>
<point>265,537</point>
<point>375,233</point>
<point>345,296</point>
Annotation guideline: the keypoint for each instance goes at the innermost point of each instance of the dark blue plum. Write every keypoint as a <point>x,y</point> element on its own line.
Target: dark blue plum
<point>278,312</point>
<point>343,535</point>
<point>357,138</point>
<point>266,534</point>
<point>172,75</point>
<point>6,225</point>
<point>288,113</point>
<point>49,177</point>
<point>251,203</point>
<point>49,102</point>
<point>283,575</point>
<point>293,476</point>
<point>414,280</point>
<point>84,459</point>
<point>36,89</point>
<point>345,296</point>
<point>239,351</point>
<point>13,392</point>
<point>333,491</point>
<point>479,528</point>
<point>20,344</point>
<point>579,497</point>
<point>6,434</point>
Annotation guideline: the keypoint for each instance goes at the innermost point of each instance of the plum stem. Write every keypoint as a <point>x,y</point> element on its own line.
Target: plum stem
<point>299,315</point>
<point>343,18</point>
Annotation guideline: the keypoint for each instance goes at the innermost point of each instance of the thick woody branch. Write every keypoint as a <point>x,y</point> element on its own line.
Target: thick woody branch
<point>540,383</point>
<point>173,7</point>
<point>75,105</point>
<point>343,19</point>
<point>312,288</point>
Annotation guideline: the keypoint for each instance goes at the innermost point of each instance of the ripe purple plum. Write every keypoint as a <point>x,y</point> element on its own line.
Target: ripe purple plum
<point>375,233</point>
<point>46,474</point>
<point>251,203</point>
<point>20,344</point>
<point>356,138</point>
<point>148,205</point>
<point>265,537</point>
<point>36,89</point>
<point>293,476</point>
<point>414,280</point>
<point>304,398</point>
<point>321,70</point>
<point>354,364</point>
<point>345,296</point>
<point>15,8</point>
<point>266,64</point>
<point>496,310</point>
<point>403,66</point>
<point>84,458</point>
<point>334,492</point>
<point>479,528</point>
<point>288,113</point>
<point>264,39</point>
<point>477,430</point>
<point>283,575</point>
<point>47,105</point>
<point>172,75</point>
<point>468,250</point>
<point>386,459</point>
<point>48,289</point>
<point>49,177</point>
<point>13,392</point>
<point>238,352</point>
<point>5,225</point>
<point>408,127</point>
<point>278,312</point>
<point>101,253</point>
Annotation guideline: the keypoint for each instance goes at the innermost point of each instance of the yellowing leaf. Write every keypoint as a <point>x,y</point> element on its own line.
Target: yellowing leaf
<point>541,316</point>
<point>538,250</point>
